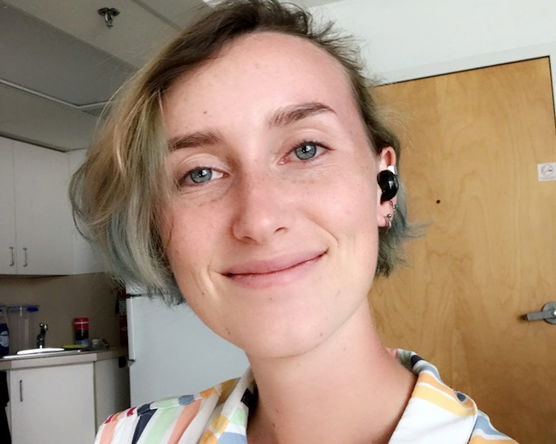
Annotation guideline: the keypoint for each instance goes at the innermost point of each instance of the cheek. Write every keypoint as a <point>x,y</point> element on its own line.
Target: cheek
<point>352,201</point>
<point>184,240</point>
<point>189,255</point>
<point>170,235</point>
<point>352,211</point>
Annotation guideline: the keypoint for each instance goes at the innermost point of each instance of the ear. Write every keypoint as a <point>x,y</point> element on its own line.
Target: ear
<point>386,158</point>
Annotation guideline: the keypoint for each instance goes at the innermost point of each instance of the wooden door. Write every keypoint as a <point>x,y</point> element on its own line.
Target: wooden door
<point>472,141</point>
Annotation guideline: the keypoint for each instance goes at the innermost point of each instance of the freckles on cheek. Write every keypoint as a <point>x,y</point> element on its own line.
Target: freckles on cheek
<point>166,232</point>
<point>172,241</point>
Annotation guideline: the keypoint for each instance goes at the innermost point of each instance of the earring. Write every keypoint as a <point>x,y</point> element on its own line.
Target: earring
<point>388,183</point>
<point>389,218</point>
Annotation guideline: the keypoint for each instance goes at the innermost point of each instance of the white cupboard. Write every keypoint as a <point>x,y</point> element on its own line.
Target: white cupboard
<point>42,244</point>
<point>111,388</point>
<point>43,215</point>
<point>64,399</point>
<point>7,212</point>
<point>52,405</point>
<point>85,258</point>
<point>37,233</point>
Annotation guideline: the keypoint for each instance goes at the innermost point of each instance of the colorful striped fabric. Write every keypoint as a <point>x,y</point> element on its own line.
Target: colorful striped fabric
<point>435,414</point>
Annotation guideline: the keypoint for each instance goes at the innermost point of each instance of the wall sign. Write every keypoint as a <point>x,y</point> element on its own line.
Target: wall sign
<point>546,171</point>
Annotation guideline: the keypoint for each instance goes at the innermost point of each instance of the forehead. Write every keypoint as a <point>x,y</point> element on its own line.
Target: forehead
<point>260,70</point>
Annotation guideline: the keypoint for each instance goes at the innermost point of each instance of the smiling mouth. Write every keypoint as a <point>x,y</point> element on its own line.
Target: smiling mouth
<point>279,271</point>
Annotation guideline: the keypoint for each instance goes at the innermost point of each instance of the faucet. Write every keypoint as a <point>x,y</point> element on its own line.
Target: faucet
<point>42,335</point>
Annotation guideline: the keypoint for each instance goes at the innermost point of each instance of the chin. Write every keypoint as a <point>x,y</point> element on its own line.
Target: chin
<point>279,348</point>
<point>283,339</point>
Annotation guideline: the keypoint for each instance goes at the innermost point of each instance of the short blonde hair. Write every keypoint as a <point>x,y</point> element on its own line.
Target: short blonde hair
<point>118,194</point>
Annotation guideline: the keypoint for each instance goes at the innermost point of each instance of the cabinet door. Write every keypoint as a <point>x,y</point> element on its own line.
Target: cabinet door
<point>43,217</point>
<point>111,388</point>
<point>7,209</point>
<point>52,405</point>
<point>86,259</point>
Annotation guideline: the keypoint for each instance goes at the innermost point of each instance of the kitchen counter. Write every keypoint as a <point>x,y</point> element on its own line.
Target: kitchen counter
<point>60,358</point>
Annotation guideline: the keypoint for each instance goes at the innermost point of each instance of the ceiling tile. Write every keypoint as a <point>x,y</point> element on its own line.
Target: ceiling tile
<point>35,120</point>
<point>179,13</point>
<point>39,57</point>
<point>136,33</point>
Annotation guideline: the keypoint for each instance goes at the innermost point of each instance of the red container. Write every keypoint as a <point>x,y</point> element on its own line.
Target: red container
<point>81,331</point>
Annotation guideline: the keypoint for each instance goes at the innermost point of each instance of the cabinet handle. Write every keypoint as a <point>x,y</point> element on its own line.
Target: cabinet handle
<point>21,390</point>
<point>12,263</point>
<point>25,263</point>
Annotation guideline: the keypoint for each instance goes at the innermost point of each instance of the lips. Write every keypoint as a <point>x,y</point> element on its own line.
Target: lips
<point>275,272</point>
<point>272,265</point>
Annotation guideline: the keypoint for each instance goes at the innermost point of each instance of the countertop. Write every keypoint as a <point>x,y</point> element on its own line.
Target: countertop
<point>60,358</point>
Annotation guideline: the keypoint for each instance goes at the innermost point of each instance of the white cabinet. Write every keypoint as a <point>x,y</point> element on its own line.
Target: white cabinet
<point>43,216</point>
<point>64,401</point>
<point>7,212</point>
<point>35,215</point>
<point>37,233</point>
<point>85,257</point>
<point>111,388</point>
<point>52,405</point>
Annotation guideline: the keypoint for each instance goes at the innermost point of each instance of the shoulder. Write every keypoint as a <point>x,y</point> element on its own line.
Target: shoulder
<point>439,412</point>
<point>167,420</point>
<point>484,432</point>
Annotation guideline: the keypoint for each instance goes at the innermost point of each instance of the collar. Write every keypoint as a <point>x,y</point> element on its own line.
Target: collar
<point>435,414</point>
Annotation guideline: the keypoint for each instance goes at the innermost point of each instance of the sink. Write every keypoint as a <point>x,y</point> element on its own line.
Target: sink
<point>36,352</point>
<point>33,351</point>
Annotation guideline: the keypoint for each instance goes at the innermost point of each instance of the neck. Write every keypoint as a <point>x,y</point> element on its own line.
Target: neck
<point>348,389</point>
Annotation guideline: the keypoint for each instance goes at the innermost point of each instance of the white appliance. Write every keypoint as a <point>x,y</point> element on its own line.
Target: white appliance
<point>172,353</point>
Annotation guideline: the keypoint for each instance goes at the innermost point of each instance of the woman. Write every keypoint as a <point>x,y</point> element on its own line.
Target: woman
<point>247,169</point>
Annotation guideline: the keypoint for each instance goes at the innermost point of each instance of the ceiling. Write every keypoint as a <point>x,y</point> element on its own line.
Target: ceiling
<point>60,63</point>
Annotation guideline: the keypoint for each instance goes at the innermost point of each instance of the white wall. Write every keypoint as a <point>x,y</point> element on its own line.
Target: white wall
<point>404,39</point>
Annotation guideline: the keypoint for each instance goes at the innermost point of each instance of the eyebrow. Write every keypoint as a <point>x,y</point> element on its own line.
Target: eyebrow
<point>282,117</point>
<point>293,113</point>
<point>198,138</point>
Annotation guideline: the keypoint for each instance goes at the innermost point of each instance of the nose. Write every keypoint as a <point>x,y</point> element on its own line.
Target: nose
<point>263,209</point>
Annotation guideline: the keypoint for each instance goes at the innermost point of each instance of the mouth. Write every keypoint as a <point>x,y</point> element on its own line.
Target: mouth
<point>276,271</point>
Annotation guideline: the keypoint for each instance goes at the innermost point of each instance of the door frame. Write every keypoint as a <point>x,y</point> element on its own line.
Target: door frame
<point>475,62</point>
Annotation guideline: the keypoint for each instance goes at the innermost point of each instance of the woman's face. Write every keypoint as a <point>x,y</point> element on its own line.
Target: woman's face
<point>272,232</point>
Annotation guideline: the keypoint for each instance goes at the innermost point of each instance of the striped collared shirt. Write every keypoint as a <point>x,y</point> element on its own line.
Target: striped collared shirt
<point>435,414</point>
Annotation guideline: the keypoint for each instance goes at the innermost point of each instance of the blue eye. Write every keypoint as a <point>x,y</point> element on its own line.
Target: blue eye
<point>306,151</point>
<point>200,176</point>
